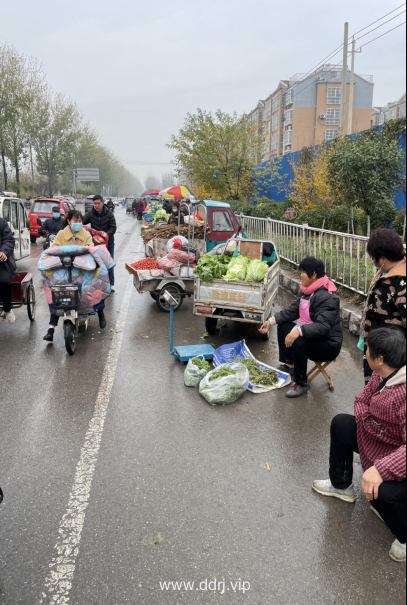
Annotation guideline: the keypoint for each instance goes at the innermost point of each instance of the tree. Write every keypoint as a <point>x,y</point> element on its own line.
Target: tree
<point>367,170</point>
<point>167,180</point>
<point>310,188</point>
<point>219,152</point>
<point>152,183</point>
<point>55,143</point>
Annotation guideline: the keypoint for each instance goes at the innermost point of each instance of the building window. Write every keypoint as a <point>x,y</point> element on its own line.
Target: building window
<point>276,103</point>
<point>288,117</point>
<point>274,124</point>
<point>330,134</point>
<point>268,109</point>
<point>282,140</point>
<point>261,119</point>
<point>289,98</point>
<point>402,111</point>
<point>333,117</point>
<point>268,125</point>
<point>393,114</point>
<point>274,142</point>
<point>334,96</point>
<point>288,137</point>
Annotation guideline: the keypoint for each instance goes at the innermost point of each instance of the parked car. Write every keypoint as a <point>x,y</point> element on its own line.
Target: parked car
<point>42,209</point>
<point>79,200</point>
<point>13,212</point>
<point>89,203</point>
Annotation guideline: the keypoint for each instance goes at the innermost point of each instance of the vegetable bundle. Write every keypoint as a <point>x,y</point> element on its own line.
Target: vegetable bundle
<point>258,376</point>
<point>169,231</point>
<point>237,269</point>
<point>147,264</point>
<point>225,384</point>
<point>256,271</point>
<point>196,371</point>
<point>161,215</point>
<point>212,267</point>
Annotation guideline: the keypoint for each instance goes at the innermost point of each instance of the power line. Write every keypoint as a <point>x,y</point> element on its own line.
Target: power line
<point>385,33</point>
<point>379,26</point>
<point>374,22</point>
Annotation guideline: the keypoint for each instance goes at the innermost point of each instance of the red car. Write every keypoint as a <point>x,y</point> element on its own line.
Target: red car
<point>42,209</point>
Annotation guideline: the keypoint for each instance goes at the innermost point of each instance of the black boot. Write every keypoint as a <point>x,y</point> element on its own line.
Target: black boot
<point>50,335</point>
<point>102,320</point>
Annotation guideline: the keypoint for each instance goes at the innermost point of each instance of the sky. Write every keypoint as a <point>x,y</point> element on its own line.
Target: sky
<point>137,67</point>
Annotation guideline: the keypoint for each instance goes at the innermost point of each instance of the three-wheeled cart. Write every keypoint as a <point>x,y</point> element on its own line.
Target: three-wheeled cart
<point>23,294</point>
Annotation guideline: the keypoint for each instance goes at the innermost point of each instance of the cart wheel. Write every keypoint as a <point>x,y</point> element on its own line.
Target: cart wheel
<point>210,325</point>
<point>31,303</point>
<point>176,292</point>
<point>154,296</point>
<point>70,337</point>
<point>265,337</point>
<point>33,239</point>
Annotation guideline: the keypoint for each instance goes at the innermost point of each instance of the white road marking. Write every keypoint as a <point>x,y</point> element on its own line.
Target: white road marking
<point>58,583</point>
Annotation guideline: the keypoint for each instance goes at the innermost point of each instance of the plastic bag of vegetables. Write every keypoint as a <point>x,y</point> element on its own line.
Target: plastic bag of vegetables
<point>256,271</point>
<point>237,269</point>
<point>196,370</point>
<point>226,384</point>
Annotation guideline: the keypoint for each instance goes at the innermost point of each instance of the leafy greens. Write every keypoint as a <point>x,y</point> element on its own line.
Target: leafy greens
<point>212,267</point>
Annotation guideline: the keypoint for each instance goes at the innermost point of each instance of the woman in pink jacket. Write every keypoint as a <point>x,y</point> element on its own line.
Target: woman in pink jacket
<point>378,433</point>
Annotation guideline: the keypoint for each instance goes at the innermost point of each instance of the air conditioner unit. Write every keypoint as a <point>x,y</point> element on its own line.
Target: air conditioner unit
<point>322,116</point>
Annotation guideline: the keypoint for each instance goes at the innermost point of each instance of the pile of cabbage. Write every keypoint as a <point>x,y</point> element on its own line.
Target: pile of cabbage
<point>240,269</point>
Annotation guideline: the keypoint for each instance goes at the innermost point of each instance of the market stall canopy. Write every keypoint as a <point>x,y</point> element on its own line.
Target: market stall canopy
<point>179,192</point>
<point>155,192</point>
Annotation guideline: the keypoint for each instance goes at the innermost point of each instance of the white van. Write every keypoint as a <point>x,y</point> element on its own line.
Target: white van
<point>12,210</point>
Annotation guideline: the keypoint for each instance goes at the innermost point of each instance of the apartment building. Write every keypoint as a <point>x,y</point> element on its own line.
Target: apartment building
<point>305,110</point>
<point>391,111</point>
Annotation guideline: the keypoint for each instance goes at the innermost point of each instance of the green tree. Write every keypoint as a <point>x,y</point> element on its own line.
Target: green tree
<point>367,170</point>
<point>221,153</point>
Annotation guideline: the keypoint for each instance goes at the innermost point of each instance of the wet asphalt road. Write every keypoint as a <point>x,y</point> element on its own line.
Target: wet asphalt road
<point>172,469</point>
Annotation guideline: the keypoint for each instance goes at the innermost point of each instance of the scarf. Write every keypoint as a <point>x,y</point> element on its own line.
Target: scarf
<point>323,282</point>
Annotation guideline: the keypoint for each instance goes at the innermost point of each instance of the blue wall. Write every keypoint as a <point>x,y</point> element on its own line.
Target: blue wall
<point>274,193</point>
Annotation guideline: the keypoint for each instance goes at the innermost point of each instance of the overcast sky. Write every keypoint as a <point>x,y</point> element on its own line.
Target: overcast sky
<point>137,67</point>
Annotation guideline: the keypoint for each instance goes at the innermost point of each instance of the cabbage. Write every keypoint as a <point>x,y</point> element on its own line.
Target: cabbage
<point>256,271</point>
<point>237,269</point>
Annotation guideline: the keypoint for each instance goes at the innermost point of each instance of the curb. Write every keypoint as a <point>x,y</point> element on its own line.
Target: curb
<point>351,317</point>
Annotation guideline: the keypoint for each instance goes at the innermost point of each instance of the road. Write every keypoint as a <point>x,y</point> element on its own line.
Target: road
<point>138,481</point>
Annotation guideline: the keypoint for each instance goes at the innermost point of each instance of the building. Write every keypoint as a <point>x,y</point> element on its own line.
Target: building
<point>305,110</point>
<point>391,111</point>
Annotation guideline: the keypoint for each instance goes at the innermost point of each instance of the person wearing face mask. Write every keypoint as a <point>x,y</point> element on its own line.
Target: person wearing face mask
<point>73,235</point>
<point>53,225</point>
<point>386,300</point>
<point>176,214</point>
<point>318,335</point>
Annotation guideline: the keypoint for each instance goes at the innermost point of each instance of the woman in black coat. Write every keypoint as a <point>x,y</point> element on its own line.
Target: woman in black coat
<point>8,268</point>
<point>318,335</point>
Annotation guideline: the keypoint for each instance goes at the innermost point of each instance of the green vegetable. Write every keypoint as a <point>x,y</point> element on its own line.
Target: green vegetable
<point>161,215</point>
<point>256,271</point>
<point>221,373</point>
<point>237,269</point>
<point>258,376</point>
<point>212,267</point>
<point>202,364</point>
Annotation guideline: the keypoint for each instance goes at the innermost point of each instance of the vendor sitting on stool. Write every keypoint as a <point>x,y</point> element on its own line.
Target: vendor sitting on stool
<point>318,335</point>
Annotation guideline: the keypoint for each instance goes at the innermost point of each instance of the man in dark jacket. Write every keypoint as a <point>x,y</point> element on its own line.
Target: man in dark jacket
<point>53,225</point>
<point>8,268</point>
<point>318,335</point>
<point>101,219</point>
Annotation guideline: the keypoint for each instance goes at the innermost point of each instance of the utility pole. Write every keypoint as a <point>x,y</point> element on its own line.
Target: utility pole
<point>344,77</point>
<point>352,88</point>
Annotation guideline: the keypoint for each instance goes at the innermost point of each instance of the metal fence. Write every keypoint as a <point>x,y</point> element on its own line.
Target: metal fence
<point>344,255</point>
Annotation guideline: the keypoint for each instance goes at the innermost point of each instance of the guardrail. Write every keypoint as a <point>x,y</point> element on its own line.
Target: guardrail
<point>344,255</point>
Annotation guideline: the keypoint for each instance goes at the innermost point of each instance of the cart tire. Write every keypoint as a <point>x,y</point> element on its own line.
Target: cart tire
<point>70,337</point>
<point>33,239</point>
<point>210,325</point>
<point>154,296</point>
<point>31,303</point>
<point>265,337</point>
<point>176,292</point>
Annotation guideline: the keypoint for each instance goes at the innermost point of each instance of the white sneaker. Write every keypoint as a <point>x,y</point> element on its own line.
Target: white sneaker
<point>398,552</point>
<point>10,317</point>
<point>325,488</point>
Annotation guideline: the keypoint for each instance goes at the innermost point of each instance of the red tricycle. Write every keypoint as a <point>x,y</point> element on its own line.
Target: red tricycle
<point>23,294</point>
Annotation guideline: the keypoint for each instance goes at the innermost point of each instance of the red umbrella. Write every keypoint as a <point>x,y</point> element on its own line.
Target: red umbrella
<point>155,192</point>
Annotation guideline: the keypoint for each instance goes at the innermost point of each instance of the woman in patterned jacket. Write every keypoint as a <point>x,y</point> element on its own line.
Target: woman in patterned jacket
<point>386,300</point>
<point>377,432</point>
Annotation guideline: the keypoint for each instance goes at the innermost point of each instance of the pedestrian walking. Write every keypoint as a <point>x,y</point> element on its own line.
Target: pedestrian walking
<point>377,432</point>
<point>386,300</point>
<point>8,269</point>
<point>318,335</point>
<point>101,219</point>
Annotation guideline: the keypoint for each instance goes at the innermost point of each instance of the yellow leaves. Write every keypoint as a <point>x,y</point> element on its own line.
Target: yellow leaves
<point>310,187</point>
<point>268,467</point>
